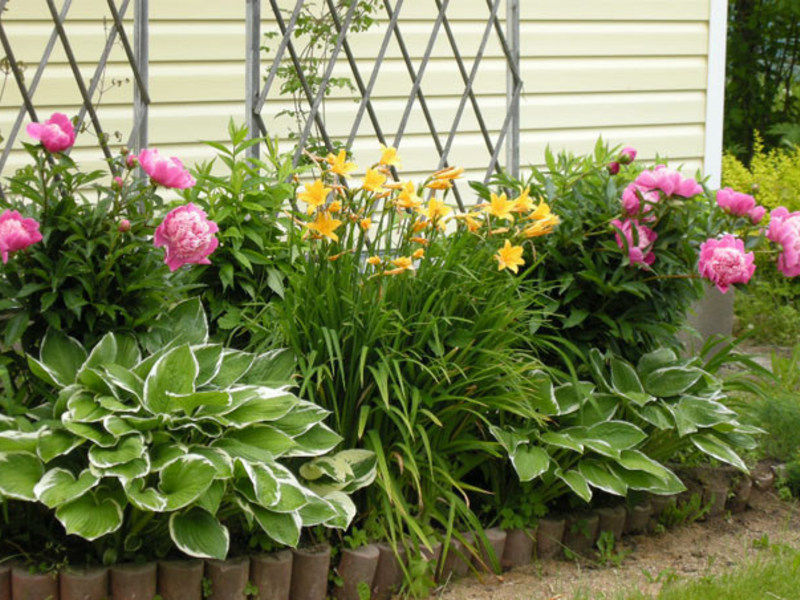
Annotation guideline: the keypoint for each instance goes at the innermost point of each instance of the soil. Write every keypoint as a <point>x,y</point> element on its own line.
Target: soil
<point>689,551</point>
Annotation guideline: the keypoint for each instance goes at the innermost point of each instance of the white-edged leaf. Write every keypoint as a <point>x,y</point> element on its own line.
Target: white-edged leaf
<point>90,517</point>
<point>19,474</point>
<point>197,533</point>
<point>59,486</point>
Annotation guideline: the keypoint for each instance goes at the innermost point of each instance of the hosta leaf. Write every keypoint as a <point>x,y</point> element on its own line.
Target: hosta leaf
<point>52,443</point>
<point>126,450</point>
<point>624,378</point>
<point>92,432</point>
<point>292,495</point>
<point>715,447</point>
<point>62,355</point>
<point>19,474</point>
<point>284,528</point>
<point>601,447</point>
<point>683,423</point>
<point>561,440</point>
<point>257,444</point>
<point>161,454</point>
<point>84,409</point>
<point>90,516</point>
<point>209,360</point>
<point>510,440</point>
<point>596,409</point>
<point>318,440</point>
<point>185,479</point>
<point>577,483</point>
<point>344,507</point>
<point>266,488</point>
<point>144,498</point>
<point>174,372</point>
<point>703,412</point>
<point>103,353</point>
<point>302,417</point>
<point>125,379</point>
<point>571,396</point>
<point>128,354</point>
<point>58,486</point>
<point>543,398</point>
<point>598,476</point>
<point>221,461</point>
<point>326,466</point>
<point>188,403</point>
<point>272,369</point>
<point>234,365</point>
<point>656,415</point>
<point>117,426</point>
<point>212,497</point>
<point>620,435</point>
<point>19,441</point>
<point>199,534</point>
<point>317,510</point>
<point>134,469</point>
<point>530,461</point>
<point>43,372</point>
<point>671,381</point>
<point>635,460</point>
<point>115,405</point>
<point>265,404</point>
<point>657,359</point>
<point>597,365</point>
<point>643,481</point>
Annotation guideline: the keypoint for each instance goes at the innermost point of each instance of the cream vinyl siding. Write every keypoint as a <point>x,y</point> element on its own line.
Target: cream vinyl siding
<point>633,72</point>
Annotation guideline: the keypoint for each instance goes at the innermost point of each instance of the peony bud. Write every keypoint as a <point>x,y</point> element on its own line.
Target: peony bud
<point>613,168</point>
<point>627,155</point>
<point>124,226</point>
<point>118,182</point>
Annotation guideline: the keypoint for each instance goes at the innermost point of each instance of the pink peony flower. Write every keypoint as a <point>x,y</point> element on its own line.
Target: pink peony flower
<point>188,236</point>
<point>735,203</point>
<point>639,249</point>
<point>17,233</point>
<point>784,229</point>
<point>167,171</point>
<point>756,214</point>
<point>627,155</point>
<point>724,262</point>
<point>613,168</point>
<point>56,134</point>
<point>668,181</point>
<point>631,202</point>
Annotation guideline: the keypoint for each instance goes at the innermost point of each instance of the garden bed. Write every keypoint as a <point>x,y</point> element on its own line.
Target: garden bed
<point>691,551</point>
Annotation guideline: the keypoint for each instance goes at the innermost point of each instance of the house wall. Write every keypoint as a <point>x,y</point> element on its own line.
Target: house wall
<point>635,72</point>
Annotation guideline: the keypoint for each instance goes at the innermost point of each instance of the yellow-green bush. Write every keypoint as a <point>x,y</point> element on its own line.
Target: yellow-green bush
<point>773,177</point>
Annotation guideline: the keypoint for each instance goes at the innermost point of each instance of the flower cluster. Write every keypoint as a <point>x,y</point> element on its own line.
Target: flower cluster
<point>724,262</point>
<point>17,233</point>
<point>329,208</point>
<point>653,186</point>
<point>784,230</point>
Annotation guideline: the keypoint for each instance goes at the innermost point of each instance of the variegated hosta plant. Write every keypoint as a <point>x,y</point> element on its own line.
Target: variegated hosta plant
<point>613,434</point>
<point>188,439</point>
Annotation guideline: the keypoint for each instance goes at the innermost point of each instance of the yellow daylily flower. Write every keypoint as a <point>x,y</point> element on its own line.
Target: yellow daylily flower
<point>419,240</point>
<point>500,207</point>
<point>314,195</point>
<point>524,203</point>
<point>408,198</point>
<point>374,260</point>
<point>435,210</point>
<point>541,226</point>
<point>373,180</point>
<point>335,206</point>
<point>419,253</point>
<point>439,184</point>
<point>404,263</point>
<point>542,212</point>
<point>365,224</point>
<point>471,220</point>
<point>339,165</point>
<point>449,173</point>
<point>509,257</point>
<point>324,225</point>
<point>389,157</point>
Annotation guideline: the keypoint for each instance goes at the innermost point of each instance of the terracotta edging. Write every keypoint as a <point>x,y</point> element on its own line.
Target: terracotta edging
<point>310,568</point>
<point>84,584</point>
<point>271,574</point>
<point>180,579</point>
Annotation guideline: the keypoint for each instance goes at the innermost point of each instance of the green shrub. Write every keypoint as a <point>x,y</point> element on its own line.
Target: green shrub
<point>89,274</point>
<point>411,336</point>
<point>172,450</point>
